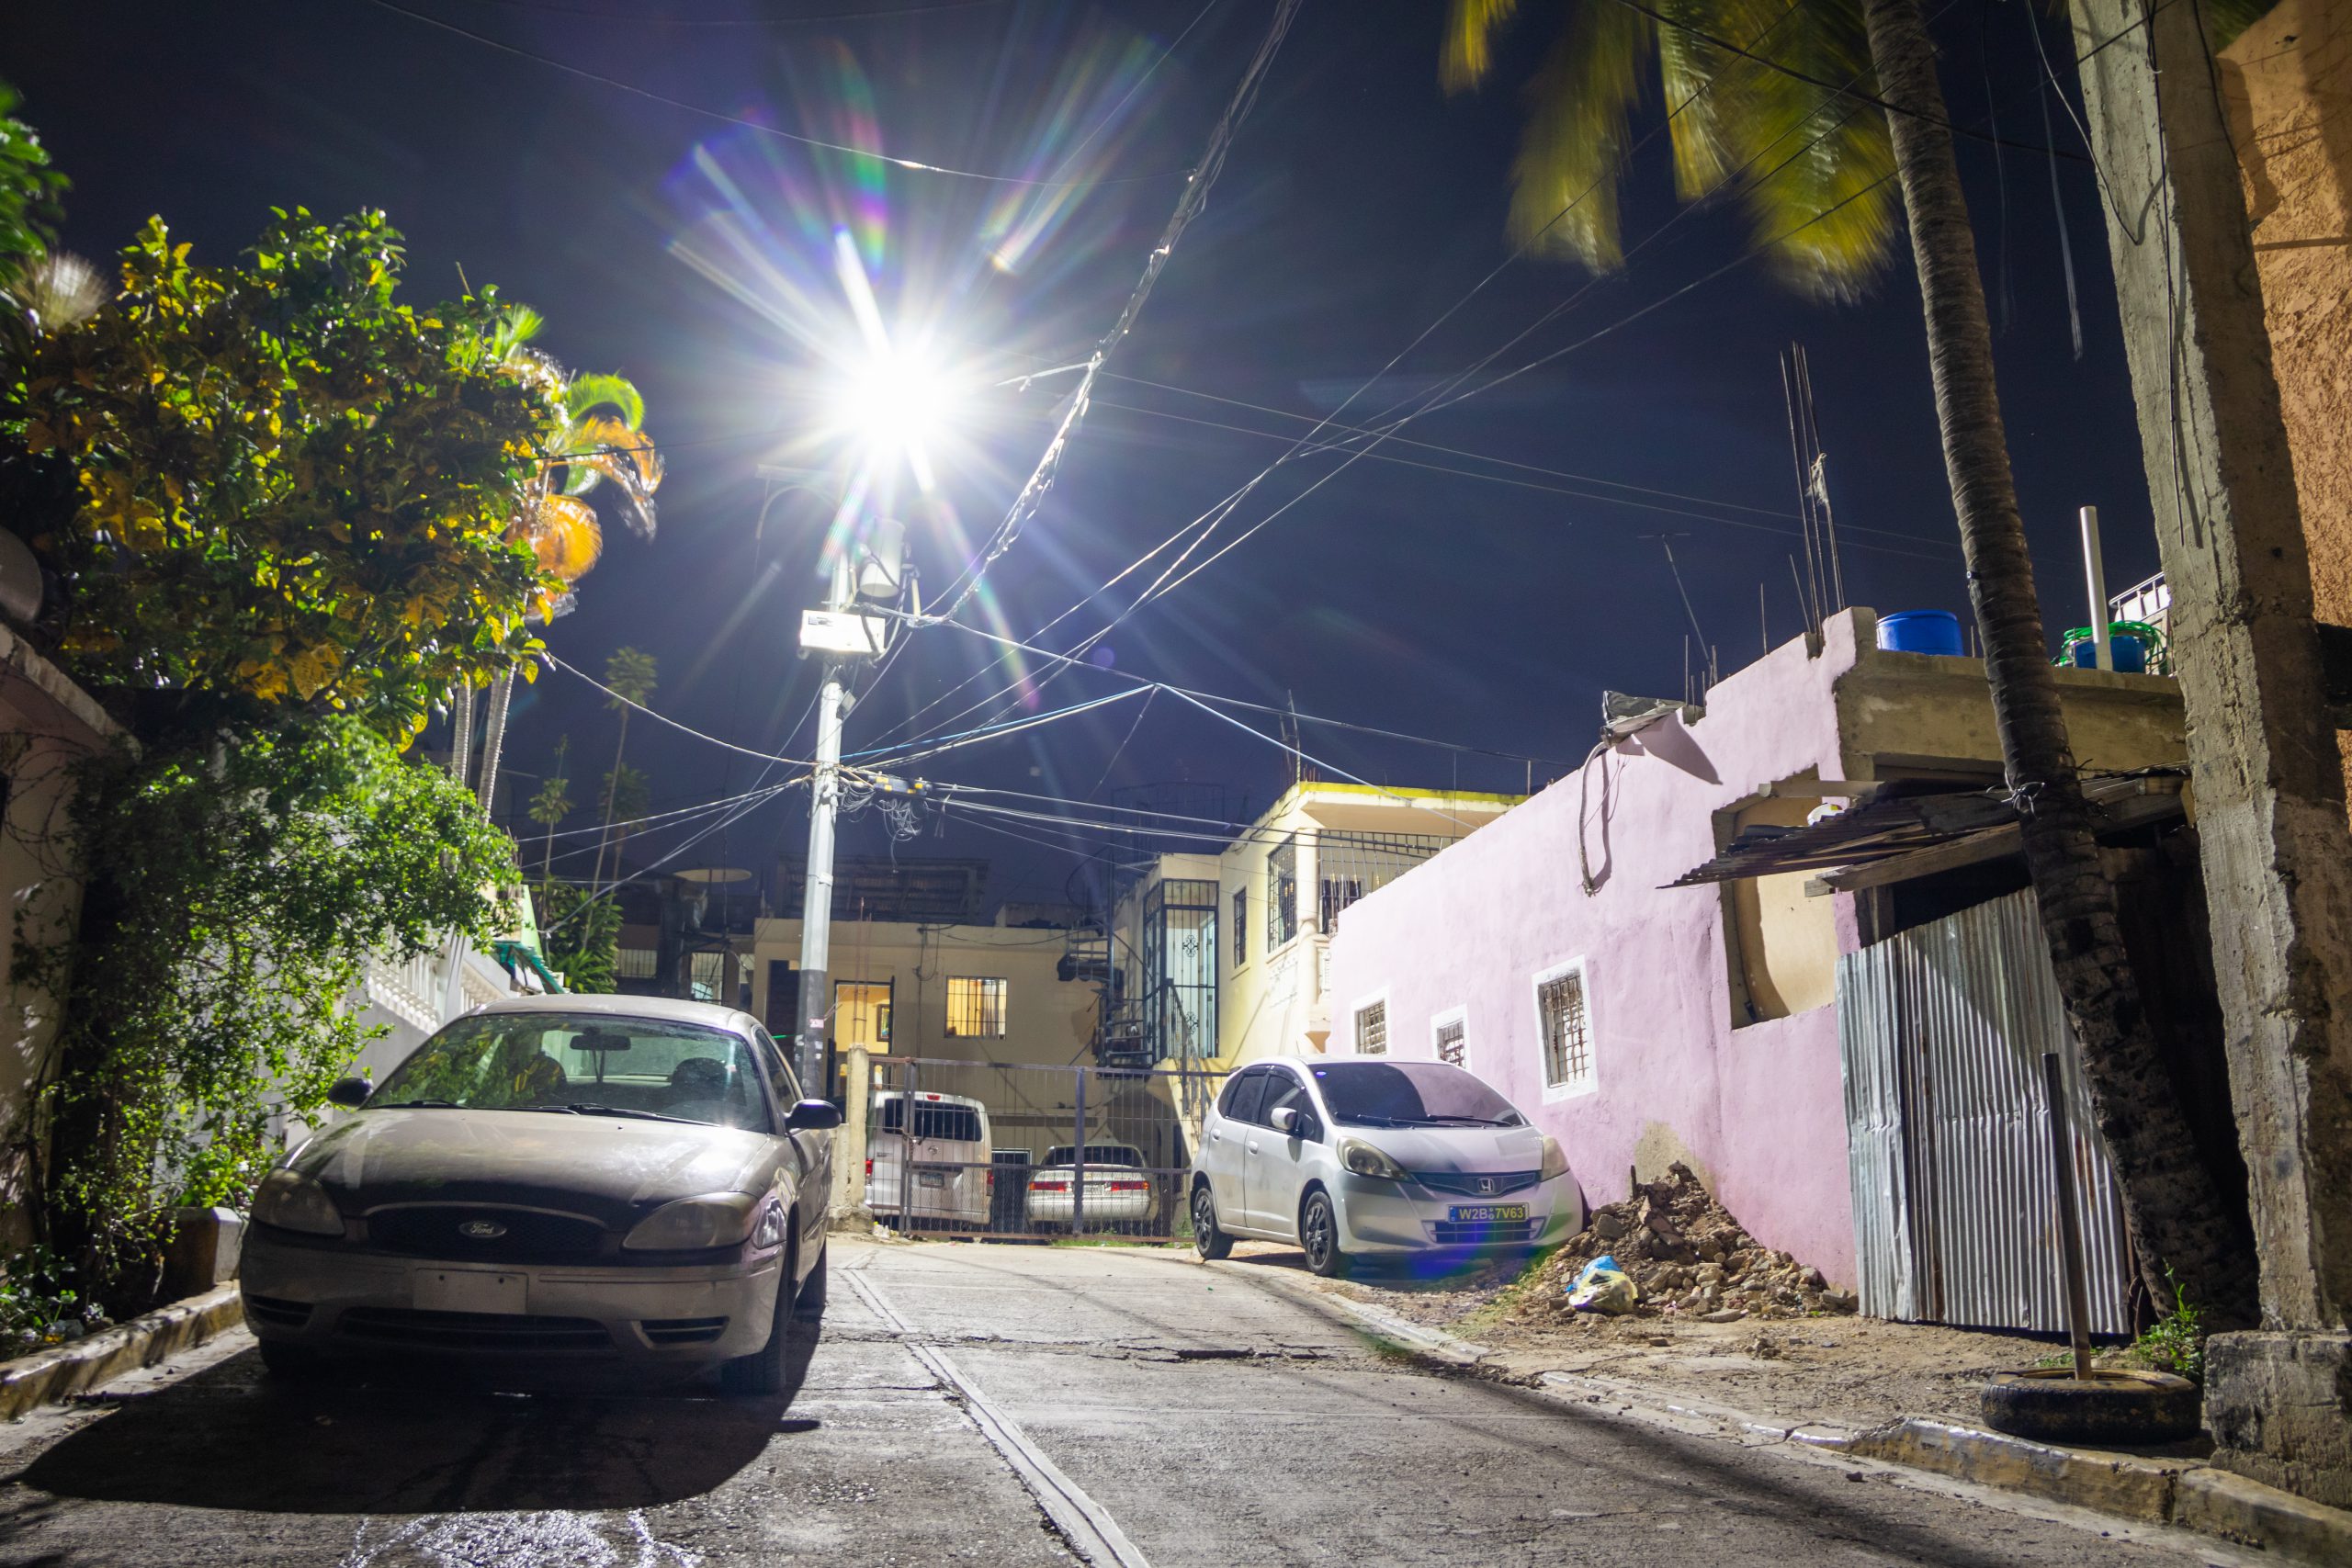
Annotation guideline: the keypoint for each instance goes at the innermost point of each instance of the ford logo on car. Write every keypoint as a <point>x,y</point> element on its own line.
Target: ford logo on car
<point>482,1230</point>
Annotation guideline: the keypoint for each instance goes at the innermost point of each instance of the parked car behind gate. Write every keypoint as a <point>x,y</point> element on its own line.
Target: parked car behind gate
<point>1356,1158</point>
<point>1118,1188</point>
<point>940,1166</point>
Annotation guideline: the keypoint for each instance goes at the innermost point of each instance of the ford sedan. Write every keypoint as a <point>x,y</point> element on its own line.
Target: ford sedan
<point>575,1178</point>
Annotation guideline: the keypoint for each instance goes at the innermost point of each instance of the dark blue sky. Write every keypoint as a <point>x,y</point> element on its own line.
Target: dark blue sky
<point>1358,203</point>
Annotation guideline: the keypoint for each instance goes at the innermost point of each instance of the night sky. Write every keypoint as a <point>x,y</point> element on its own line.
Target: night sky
<point>1358,204</point>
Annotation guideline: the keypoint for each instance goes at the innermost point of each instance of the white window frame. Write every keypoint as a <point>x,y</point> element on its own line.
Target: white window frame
<point>1356,1011</point>
<point>1438,1021</point>
<point>1591,1082</point>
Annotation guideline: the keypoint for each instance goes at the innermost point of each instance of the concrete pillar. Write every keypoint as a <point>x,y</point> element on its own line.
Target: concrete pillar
<point>849,1170</point>
<point>2270,806</point>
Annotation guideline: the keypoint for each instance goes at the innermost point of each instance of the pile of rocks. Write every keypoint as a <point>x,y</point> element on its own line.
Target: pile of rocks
<point>1688,1257</point>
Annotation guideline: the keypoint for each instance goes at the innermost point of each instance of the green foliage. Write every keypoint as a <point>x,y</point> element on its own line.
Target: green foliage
<point>629,794</point>
<point>2175,1343</point>
<point>580,936</point>
<point>270,483</point>
<point>552,803</point>
<point>239,886</point>
<point>30,188</point>
<point>1813,165</point>
<point>632,673</point>
<point>36,1296</point>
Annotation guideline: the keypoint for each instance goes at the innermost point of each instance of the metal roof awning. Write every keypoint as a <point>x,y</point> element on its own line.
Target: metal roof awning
<point>1902,829</point>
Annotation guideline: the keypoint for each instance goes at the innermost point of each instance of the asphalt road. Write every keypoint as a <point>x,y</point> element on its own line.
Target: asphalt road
<point>965,1403</point>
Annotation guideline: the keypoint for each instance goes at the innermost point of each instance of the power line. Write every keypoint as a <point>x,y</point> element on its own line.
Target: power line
<point>798,18</point>
<point>737,120</point>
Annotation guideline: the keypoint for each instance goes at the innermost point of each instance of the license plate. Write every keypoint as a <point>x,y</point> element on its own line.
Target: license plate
<point>467,1289</point>
<point>1487,1214</point>
<point>931,1179</point>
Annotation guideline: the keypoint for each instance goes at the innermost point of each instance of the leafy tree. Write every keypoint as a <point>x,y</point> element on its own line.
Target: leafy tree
<point>268,485</point>
<point>30,187</point>
<point>628,795</point>
<point>630,675</point>
<point>550,805</point>
<point>1717,55</point>
<point>581,934</point>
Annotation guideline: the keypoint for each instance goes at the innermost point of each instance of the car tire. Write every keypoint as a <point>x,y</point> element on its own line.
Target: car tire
<point>1208,1235</point>
<point>292,1363</point>
<point>809,1305</point>
<point>1319,1235</point>
<point>2048,1404</point>
<point>762,1373</point>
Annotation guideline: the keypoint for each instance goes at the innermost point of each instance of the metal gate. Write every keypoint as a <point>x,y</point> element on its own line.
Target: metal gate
<point>1941,1031</point>
<point>1012,1150</point>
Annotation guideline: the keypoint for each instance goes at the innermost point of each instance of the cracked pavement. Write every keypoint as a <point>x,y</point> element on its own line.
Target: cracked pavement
<point>1205,1421</point>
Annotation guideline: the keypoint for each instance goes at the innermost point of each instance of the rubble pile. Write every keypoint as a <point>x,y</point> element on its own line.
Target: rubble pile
<point>1688,1257</point>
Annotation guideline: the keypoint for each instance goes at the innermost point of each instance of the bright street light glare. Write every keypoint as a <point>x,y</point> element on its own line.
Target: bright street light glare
<point>895,402</point>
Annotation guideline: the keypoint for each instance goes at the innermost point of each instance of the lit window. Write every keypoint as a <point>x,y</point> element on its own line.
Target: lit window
<point>974,1007</point>
<point>1567,1028</point>
<point>1372,1030</point>
<point>1451,1035</point>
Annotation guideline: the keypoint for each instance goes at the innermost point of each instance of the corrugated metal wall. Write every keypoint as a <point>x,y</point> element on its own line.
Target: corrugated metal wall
<point>1941,1029</point>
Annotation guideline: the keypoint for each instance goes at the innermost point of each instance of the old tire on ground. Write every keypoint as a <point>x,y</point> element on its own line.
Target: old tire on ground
<point>2048,1404</point>
<point>292,1363</point>
<point>763,1371</point>
<point>1319,1235</point>
<point>1208,1235</point>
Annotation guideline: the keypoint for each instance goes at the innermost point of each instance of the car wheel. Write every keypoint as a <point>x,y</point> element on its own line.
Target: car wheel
<point>810,1304</point>
<point>762,1372</point>
<point>292,1363</point>
<point>1318,1237</point>
<point>1208,1235</point>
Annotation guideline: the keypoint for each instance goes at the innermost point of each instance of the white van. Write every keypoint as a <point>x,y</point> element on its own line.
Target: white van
<point>939,1167</point>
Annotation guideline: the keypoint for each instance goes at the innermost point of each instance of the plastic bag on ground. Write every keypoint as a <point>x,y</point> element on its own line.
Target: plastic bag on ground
<point>1600,1286</point>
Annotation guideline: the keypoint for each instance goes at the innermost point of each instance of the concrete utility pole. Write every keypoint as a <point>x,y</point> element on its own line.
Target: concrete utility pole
<point>817,894</point>
<point>2261,749</point>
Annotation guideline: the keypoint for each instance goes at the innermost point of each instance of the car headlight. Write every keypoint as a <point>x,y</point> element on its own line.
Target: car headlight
<point>1364,1160</point>
<point>690,1225</point>
<point>1556,1158</point>
<point>291,1202</point>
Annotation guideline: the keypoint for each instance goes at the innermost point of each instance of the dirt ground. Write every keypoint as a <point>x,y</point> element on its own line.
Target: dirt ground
<point>1852,1372</point>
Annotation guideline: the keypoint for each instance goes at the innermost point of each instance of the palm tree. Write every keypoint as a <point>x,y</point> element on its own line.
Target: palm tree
<point>549,807</point>
<point>1732,116</point>
<point>601,441</point>
<point>630,675</point>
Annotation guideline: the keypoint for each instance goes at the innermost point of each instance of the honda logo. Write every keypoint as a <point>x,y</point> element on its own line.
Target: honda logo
<point>1486,1184</point>
<point>482,1230</point>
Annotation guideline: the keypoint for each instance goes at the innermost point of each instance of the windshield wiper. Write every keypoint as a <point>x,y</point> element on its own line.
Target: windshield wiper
<point>1373,1119</point>
<point>1480,1121</point>
<point>415,1104</point>
<point>579,1110</point>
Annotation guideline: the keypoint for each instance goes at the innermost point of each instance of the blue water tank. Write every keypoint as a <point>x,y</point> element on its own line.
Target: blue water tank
<point>2130,657</point>
<point>1920,631</point>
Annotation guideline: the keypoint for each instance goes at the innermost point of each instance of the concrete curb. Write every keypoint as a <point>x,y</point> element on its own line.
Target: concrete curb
<point>51,1375</point>
<point>2183,1494</point>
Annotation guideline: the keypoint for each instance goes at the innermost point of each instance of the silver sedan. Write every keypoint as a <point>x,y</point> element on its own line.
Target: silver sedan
<point>616,1180</point>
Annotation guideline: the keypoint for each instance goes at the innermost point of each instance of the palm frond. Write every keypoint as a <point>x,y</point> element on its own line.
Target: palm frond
<point>588,393</point>
<point>1564,198</point>
<point>1468,52</point>
<point>566,537</point>
<point>517,325</point>
<point>603,447</point>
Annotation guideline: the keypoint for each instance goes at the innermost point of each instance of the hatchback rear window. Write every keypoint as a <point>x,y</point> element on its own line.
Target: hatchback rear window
<point>957,1124</point>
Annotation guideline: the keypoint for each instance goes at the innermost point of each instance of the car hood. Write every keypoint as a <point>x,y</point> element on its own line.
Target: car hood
<point>1470,1150</point>
<point>608,1166</point>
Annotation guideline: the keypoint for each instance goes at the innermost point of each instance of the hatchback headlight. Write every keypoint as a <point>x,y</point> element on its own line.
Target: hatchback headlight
<point>1364,1160</point>
<point>1556,1158</point>
<point>291,1202</point>
<point>690,1225</point>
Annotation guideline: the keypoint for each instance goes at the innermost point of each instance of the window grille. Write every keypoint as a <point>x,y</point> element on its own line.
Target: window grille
<point>974,1007</point>
<point>709,973</point>
<point>635,962</point>
<point>1372,1030</point>
<point>1180,969</point>
<point>1348,865</point>
<point>1282,893</point>
<point>1240,926</point>
<point>1568,1029</point>
<point>1451,1035</point>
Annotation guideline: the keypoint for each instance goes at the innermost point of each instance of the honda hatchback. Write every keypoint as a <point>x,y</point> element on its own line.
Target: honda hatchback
<point>1351,1159</point>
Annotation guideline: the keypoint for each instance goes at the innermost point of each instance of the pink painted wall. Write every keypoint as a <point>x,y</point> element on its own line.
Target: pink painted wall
<point>1759,1111</point>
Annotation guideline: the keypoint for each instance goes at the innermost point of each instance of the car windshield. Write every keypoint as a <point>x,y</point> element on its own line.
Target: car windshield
<point>1096,1154</point>
<point>1411,1094</point>
<point>584,1064</point>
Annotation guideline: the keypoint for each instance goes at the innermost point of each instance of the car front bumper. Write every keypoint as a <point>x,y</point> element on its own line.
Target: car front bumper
<point>1395,1216</point>
<point>681,1318</point>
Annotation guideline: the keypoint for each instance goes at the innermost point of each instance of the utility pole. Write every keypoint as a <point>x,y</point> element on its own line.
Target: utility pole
<point>817,896</point>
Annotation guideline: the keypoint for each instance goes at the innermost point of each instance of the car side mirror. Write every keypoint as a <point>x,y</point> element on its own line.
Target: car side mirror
<point>350,1093</point>
<point>1287,1120</point>
<point>813,1116</point>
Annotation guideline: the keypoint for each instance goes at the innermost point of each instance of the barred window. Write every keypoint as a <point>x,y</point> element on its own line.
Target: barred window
<point>1240,926</point>
<point>635,962</point>
<point>1568,1028</point>
<point>1282,893</point>
<point>1372,1030</point>
<point>709,971</point>
<point>1451,1035</point>
<point>974,1007</point>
